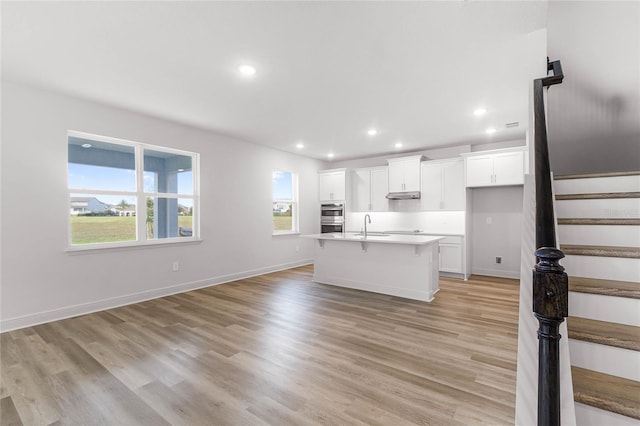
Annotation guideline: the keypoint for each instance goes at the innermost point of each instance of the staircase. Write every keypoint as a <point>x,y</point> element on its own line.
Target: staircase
<point>599,232</point>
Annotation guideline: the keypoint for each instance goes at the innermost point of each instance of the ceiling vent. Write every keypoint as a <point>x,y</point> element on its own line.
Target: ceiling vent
<point>512,125</point>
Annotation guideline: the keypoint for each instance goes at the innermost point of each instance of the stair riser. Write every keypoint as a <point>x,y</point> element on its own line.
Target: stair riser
<point>622,310</point>
<point>607,268</point>
<point>604,184</point>
<point>601,235</point>
<point>605,208</point>
<point>605,359</point>
<point>591,416</point>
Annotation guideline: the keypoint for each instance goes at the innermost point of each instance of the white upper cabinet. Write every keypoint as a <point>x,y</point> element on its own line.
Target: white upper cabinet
<point>379,189</point>
<point>370,188</point>
<point>331,185</point>
<point>404,174</point>
<point>443,185</point>
<point>495,168</point>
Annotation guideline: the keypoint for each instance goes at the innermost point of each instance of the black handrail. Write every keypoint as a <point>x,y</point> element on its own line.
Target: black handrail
<point>550,282</point>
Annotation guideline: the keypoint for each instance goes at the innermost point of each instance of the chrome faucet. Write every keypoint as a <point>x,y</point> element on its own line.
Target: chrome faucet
<point>366,216</point>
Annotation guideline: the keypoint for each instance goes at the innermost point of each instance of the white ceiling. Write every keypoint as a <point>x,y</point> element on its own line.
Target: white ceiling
<point>326,71</point>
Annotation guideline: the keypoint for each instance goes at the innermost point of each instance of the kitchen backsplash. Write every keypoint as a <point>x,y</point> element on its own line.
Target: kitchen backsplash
<point>447,222</point>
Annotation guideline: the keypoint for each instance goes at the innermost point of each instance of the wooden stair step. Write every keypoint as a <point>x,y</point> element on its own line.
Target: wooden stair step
<point>606,392</point>
<point>597,175</point>
<point>605,287</point>
<point>604,333</point>
<point>599,221</point>
<point>601,251</point>
<point>597,196</point>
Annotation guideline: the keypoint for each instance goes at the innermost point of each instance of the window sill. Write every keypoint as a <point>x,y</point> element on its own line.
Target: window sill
<point>280,234</point>
<point>103,248</point>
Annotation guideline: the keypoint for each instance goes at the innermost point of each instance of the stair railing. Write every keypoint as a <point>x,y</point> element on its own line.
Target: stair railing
<point>550,282</point>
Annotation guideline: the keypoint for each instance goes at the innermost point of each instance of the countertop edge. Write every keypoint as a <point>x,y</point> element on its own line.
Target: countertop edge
<point>379,239</point>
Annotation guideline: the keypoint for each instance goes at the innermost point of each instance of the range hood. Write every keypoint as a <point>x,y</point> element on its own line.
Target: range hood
<point>412,195</point>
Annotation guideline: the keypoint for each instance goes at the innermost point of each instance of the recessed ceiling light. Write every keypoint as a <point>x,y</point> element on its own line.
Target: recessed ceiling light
<point>247,70</point>
<point>86,145</point>
<point>398,145</point>
<point>181,170</point>
<point>491,130</point>
<point>372,132</point>
<point>299,145</point>
<point>330,155</point>
<point>479,112</point>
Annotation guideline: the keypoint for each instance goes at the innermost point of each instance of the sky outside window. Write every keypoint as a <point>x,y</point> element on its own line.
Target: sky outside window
<point>282,185</point>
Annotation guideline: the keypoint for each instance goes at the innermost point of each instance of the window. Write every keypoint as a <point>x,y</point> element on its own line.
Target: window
<point>127,193</point>
<point>285,202</point>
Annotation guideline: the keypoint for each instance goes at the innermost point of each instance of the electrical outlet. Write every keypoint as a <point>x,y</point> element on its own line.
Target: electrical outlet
<point>489,220</point>
<point>297,249</point>
<point>176,266</point>
<point>498,259</point>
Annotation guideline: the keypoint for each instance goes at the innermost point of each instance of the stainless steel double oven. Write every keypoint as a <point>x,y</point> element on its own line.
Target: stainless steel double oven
<point>332,218</point>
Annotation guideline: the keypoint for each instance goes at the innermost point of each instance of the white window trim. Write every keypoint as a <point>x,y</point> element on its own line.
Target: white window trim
<point>140,196</point>
<point>295,206</point>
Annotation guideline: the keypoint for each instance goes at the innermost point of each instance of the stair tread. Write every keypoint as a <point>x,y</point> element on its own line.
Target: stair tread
<point>604,333</point>
<point>603,251</point>
<point>597,195</point>
<point>599,221</point>
<point>606,392</point>
<point>606,287</point>
<point>597,175</point>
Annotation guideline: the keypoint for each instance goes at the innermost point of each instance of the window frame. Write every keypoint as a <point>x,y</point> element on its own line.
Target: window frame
<point>139,194</point>
<point>294,204</point>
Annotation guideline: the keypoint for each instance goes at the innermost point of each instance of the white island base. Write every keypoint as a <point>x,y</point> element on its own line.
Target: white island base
<point>397,265</point>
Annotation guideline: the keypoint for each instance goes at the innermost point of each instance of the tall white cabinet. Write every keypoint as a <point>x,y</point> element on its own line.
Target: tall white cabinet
<point>331,185</point>
<point>443,185</point>
<point>370,188</point>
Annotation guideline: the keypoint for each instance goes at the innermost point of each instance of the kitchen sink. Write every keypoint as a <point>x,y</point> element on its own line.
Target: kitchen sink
<point>371,234</point>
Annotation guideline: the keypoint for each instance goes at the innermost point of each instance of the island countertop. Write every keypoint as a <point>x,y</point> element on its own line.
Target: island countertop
<point>376,237</point>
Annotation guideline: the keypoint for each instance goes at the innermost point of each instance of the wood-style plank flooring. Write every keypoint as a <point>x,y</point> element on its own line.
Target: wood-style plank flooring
<point>275,349</point>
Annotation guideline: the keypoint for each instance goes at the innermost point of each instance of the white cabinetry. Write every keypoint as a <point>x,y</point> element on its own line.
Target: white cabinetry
<point>451,255</point>
<point>331,185</point>
<point>443,185</point>
<point>404,174</point>
<point>495,168</point>
<point>370,187</point>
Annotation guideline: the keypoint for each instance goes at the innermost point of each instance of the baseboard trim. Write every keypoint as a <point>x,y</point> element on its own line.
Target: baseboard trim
<point>30,320</point>
<point>496,273</point>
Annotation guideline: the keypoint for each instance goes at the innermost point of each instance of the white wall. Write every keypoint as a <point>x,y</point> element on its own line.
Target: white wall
<point>41,282</point>
<point>593,117</point>
<point>502,206</point>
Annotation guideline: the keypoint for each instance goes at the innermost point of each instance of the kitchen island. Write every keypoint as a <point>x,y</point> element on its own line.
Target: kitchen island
<point>397,265</point>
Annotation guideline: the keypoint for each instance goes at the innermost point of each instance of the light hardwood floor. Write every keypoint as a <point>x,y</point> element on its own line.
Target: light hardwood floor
<point>275,349</point>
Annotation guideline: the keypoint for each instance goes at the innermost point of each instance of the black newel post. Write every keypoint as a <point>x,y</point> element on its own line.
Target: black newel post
<point>550,306</point>
<point>550,283</point>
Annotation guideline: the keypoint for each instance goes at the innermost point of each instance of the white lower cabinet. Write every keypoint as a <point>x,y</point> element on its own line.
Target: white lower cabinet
<point>452,255</point>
